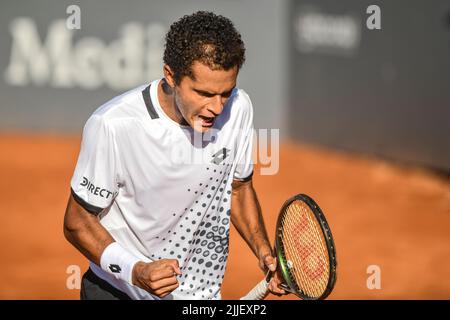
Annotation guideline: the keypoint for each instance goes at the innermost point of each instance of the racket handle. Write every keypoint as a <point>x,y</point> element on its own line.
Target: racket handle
<point>259,292</point>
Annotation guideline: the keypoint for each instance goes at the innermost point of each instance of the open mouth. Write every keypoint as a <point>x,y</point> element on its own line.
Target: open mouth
<point>207,121</point>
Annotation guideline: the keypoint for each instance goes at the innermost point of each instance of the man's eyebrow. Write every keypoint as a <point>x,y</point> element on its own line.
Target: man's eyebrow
<point>213,93</point>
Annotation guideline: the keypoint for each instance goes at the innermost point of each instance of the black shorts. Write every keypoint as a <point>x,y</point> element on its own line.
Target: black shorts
<point>95,288</point>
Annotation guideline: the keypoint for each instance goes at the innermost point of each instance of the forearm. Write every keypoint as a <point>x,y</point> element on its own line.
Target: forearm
<point>247,217</point>
<point>84,231</point>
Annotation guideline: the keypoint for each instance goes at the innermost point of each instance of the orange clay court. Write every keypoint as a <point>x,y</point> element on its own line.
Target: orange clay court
<point>380,213</point>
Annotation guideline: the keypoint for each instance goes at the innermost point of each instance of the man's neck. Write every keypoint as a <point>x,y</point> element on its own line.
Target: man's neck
<point>167,102</point>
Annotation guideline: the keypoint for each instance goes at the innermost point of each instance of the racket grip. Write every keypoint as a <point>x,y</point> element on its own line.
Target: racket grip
<point>259,292</point>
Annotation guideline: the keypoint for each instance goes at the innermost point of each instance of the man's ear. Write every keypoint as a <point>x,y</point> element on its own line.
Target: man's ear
<point>169,75</point>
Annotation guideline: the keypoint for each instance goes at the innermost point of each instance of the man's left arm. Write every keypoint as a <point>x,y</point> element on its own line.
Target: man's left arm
<point>247,218</point>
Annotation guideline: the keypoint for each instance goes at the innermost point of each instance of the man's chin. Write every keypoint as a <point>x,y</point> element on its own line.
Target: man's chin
<point>201,129</point>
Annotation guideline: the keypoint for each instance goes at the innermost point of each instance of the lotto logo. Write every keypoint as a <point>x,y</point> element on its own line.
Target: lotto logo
<point>219,156</point>
<point>114,268</point>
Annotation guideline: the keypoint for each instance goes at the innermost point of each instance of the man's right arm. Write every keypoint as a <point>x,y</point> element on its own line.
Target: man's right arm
<point>85,232</point>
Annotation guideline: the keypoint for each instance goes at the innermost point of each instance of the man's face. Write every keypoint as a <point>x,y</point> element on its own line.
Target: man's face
<point>200,99</point>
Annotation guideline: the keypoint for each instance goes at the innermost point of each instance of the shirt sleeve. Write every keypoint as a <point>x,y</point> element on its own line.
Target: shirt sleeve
<point>244,166</point>
<point>94,183</point>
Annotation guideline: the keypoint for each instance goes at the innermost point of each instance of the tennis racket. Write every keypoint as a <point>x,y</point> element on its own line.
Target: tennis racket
<point>305,251</point>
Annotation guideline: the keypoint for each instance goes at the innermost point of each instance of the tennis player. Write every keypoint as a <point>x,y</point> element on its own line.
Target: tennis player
<point>152,219</point>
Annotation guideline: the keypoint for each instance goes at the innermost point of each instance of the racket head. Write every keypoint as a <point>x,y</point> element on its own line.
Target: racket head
<point>313,230</point>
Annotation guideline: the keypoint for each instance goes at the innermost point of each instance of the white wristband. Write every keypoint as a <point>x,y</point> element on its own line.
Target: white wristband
<point>118,262</point>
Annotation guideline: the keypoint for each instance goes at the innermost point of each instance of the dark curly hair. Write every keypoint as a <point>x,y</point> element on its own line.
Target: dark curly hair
<point>206,37</point>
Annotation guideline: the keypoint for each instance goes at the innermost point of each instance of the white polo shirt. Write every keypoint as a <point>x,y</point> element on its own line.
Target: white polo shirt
<point>163,191</point>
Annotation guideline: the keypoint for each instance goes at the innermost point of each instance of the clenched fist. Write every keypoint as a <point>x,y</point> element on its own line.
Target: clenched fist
<point>158,277</point>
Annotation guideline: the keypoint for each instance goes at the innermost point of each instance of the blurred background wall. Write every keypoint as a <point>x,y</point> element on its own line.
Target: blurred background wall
<point>384,92</point>
<point>53,78</point>
<point>314,70</point>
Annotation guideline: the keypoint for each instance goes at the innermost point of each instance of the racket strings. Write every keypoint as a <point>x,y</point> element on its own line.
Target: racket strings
<point>303,263</point>
<point>305,249</point>
<point>294,260</point>
<point>296,256</point>
<point>313,257</point>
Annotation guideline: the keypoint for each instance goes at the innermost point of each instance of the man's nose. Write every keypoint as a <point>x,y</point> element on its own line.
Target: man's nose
<point>217,104</point>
